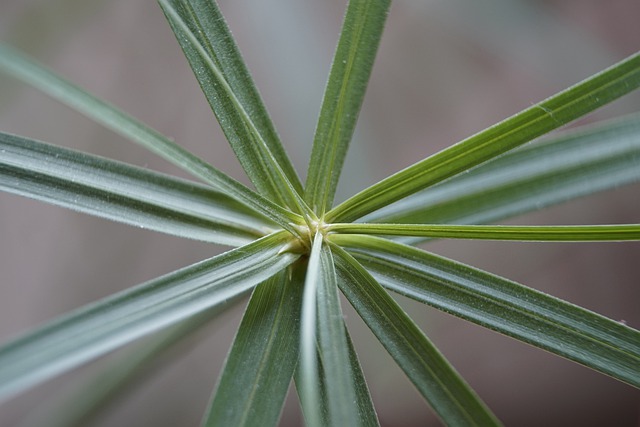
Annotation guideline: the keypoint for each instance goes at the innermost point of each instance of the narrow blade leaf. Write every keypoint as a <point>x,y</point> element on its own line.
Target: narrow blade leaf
<point>368,416</point>
<point>260,365</point>
<point>110,323</point>
<point>225,81</point>
<point>578,163</point>
<point>504,306</point>
<point>94,394</point>
<point>125,193</point>
<point>519,129</point>
<point>333,348</point>
<point>439,383</point>
<point>352,64</point>
<point>558,233</point>
<point>308,376</point>
<point>45,80</point>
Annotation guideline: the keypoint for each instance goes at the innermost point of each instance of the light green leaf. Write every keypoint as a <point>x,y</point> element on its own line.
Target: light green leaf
<point>117,376</point>
<point>125,193</point>
<point>504,306</point>
<point>352,64</point>
<point>333,348</point>
<point>439,383</point>
<point>37,76</point>
<point>308,376</point>
<point>114,321</point>
<point>519,129</point>
<point>577,163</point>
<point>207,44</point>
<point>260,365</point>
<point>558,233</point>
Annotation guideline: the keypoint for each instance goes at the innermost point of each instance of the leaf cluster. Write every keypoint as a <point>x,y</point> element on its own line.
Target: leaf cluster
<point>295,251</point>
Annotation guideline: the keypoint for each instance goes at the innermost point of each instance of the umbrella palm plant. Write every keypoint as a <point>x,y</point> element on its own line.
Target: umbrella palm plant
<point>295,251</point>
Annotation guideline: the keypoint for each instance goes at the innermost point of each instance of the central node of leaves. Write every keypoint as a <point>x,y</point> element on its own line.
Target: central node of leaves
<point>302,241</point>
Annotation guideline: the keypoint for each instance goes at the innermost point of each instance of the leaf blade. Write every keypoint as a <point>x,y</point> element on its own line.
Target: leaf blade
<point>333,347</point>
<point>449,395</point>
<point>307,374</point>
<point>534,233</point>
<point>124,193</point>
<point>577,163</point>
<point>100,327</point>
<point>344,93</point>
<point>519,129</point>
<point>225,81</point>
<point>33,74</point>
<point>504,306</point>
<point>260,364</point>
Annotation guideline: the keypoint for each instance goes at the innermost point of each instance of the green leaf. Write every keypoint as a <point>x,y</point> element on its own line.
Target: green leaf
<point>367,411</point>
<point>519,129</point>
<point>352,64</point>
<point>577,163</point>
<point>333,348</point>
<point>125,193</point>
<point>535,233</point>
<point>114,321</point>
<point>260,365</point>
<point>37,76</point>
<point>214,58</point>
<point>308,376</point>
<point>504,306</point>
<point>439,383</point>
<point>95,393</point>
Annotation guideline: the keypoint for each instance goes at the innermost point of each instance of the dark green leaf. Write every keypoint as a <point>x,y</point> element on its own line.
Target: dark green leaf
<point>125,193</point>
<point>260,365</point>
<point>225,80</point>
<point>439,383</point>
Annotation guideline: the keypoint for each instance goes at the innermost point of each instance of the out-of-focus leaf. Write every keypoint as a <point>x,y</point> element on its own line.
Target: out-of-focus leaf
<point>110,323</point>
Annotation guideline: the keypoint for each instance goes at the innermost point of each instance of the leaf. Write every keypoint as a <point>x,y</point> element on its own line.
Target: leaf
<point>502,305</point>
<point>37,76</point>
<point>114,321</point>
<point>308,374</point>
<point>366,409</point>
<point>333,347</point>
<point>125,193</point>
<point>350,71</point>
<point>117,376</point>
<point>439,383</point>
<point>535,233</point>
<point>519,129</point>
<point>577,163</point>
<point>214,58</point>
<point>260,364</point>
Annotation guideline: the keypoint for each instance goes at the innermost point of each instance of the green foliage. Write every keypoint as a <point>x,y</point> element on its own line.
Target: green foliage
<point>296,252</point>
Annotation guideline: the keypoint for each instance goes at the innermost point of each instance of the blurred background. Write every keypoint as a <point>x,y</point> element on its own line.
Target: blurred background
<point>445,70</point>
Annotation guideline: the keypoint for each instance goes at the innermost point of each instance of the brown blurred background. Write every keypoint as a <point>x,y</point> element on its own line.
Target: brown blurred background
<point>445,70</point>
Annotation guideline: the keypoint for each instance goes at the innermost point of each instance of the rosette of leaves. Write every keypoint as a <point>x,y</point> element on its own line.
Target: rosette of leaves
<point>295,251</point>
